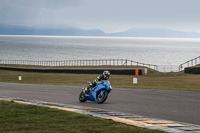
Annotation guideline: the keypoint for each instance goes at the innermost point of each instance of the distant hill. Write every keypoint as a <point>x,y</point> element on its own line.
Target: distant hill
<point>31,30</point>
<point>155,32</point>
<point>75,31</point>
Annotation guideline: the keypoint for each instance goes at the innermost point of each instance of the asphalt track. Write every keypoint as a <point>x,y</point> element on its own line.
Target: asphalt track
<point>181,106</point>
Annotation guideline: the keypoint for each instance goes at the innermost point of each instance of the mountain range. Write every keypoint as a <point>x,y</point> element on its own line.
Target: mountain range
<point>75,31</point>
<point>47,30</point>
<point>155,32</point>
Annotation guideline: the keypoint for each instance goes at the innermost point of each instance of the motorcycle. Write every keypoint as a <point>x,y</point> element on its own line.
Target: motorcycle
<point>99,93</point>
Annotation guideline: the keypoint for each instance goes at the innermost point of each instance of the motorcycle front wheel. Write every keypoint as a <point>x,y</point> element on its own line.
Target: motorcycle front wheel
<point>102,96</point>
<point>82,97</point>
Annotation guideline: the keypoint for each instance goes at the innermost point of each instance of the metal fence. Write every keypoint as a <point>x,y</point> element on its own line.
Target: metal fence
<point>106,62</point>
<point>168,68</point>
<point>97,62</point>
<point>190,63</point>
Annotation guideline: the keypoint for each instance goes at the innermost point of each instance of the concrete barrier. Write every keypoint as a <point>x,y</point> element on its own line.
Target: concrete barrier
<point>192,70</point>
<point>119,71</point>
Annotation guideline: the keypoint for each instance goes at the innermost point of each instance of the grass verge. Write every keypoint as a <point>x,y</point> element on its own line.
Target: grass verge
<point>28,118</point>
<point>154,79</point>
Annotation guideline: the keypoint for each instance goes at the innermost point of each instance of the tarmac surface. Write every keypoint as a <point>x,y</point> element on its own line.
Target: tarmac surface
<point>180,106</point>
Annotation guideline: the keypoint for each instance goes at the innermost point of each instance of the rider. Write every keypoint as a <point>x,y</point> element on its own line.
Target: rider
<point>104,76</point>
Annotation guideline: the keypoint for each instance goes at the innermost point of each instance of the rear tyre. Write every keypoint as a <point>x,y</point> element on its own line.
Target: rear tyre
<point>82,97</point>
<point>101,98</point>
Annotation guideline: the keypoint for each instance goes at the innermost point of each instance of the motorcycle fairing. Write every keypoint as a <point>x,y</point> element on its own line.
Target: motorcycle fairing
<point>95,90</point>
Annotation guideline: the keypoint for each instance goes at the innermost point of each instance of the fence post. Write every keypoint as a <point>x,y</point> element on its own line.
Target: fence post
<point>94,62</point>
<point>199,59</point>
<point>195,61</point>
<point>180,67</point>
<point>192,62</point>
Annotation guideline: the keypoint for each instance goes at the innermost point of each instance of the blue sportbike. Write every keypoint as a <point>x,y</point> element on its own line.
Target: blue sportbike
<point>99,93</point>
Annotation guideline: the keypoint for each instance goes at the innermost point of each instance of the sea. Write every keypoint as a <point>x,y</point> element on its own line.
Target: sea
<point>156,51</point>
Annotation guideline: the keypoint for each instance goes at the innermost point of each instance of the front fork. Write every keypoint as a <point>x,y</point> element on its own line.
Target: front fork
<point>87,90</point>
<point>102,92</point>
<point>84,90</point>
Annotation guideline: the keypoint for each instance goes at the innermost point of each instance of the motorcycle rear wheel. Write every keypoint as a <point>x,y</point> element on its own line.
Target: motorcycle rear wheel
<point>102,99</point>
<point>82,97</point>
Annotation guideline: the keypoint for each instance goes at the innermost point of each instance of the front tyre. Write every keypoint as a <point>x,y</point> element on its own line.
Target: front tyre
<point>102,96</point>
<point>82,97</point>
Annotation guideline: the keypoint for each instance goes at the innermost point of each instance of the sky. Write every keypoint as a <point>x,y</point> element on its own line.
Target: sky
<point>107,15</point>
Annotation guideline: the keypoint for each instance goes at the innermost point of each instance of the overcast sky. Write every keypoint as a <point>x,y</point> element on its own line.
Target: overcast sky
<point>107,15</point>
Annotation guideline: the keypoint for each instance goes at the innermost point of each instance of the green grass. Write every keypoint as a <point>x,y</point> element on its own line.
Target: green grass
<point>19,118</point>
<point>154,79</point>
<point>197,65</point>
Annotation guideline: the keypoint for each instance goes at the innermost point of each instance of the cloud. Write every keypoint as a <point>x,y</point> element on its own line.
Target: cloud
<point>54,4</point>
<point>30,12</point>
<point>103,14</point>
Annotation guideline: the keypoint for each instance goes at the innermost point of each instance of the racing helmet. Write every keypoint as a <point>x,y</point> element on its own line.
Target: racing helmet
<point>106,75</point>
